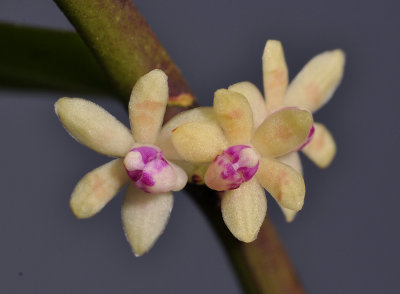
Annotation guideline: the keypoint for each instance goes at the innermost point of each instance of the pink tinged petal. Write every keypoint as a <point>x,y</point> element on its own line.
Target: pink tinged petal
<point>198,142</point>
<point>199,114</point>
<point>147,106</point>
<point>255,99</point>
<point>275,74</point>
<point>283,183</point>
<point>322,148</point>
<point>97,188</point>
<point>151,172</point>
<point>94,127</point>
<point>244,210</point>
<point>234,115</point>
<point>317,81</point>
<point>144,217</point>
<point>309,138</point>
<point>283,131</point>
<point>236,165</point>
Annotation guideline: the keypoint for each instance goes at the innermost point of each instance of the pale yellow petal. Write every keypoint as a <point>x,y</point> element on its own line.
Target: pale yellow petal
<point>144,217</point>
<point>317,81</point>
<point>181,177</point>
<point>322,148</point>
<point>93,126</point>
<point>255,99</point>
<point>97,188</point>
<point>275,74</point>
<point>244,210</point>
<point>147,106</point>
<point>292,159</point>
<point>234,115</point>
<point>284,183</point>
<point>199,114</point>
<point>288,213</point>
<point>198,142</point>
<point>283,131</point>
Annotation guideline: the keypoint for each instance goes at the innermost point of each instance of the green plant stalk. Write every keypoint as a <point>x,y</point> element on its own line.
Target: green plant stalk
<point>126,48</point>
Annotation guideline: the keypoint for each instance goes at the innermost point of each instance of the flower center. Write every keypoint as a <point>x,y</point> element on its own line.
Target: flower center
<point>234,166</point>
<point>149,170</point>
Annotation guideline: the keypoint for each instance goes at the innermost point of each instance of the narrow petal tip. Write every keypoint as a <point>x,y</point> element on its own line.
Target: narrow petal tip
<point>282,182</point>
<point>322,148</point>
<point>244,210</point>
<point>147,105</point>
<point>144,218</point>
<point>234,115</point>
<point>317,81</point>
<point>97,188</point>
<point>93,126</point>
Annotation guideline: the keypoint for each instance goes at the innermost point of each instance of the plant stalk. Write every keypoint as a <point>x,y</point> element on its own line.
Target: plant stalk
<point>125,46</point>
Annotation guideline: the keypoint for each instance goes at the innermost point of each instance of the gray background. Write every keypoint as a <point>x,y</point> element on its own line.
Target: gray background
<point>346,238</point>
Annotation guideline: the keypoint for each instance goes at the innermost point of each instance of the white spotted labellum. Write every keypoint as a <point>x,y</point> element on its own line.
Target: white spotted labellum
<point>148,200</point>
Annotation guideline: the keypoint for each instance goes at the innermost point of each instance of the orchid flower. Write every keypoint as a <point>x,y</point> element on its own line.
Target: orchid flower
<point>241,158</point>
<point>148,200</point>
<point>311,89</point>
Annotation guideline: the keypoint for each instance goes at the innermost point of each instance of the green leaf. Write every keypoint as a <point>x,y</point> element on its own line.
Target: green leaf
<point>48,59</point>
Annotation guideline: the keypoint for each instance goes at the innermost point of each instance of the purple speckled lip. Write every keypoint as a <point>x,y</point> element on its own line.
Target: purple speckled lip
<point>141,177</point>
<point>309,138</point>
<point>148,153</point>
<point>152,163</point>
<point>232,168</point>
<point>234,152</point>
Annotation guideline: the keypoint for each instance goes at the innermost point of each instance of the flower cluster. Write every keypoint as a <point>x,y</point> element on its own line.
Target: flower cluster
<point>239,146</point>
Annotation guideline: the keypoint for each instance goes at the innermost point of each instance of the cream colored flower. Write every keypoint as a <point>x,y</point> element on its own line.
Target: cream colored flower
<point>225,137</point>
<point>148,200</point>
<point>311,89</point>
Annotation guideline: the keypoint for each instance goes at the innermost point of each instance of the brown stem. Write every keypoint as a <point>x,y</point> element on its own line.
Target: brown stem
<point>124,45</point>
<point>263,265</point>
<point>126,48</point>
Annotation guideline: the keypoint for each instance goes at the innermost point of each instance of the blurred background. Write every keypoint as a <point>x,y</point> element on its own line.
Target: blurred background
<point>346,238</point>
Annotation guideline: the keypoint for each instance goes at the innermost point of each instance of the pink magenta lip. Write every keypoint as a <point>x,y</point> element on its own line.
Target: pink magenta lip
<point>151,163</point>
<point>232,168</point>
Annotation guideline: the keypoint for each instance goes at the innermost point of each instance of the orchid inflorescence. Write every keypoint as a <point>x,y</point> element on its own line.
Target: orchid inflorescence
<point>241,145</point>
